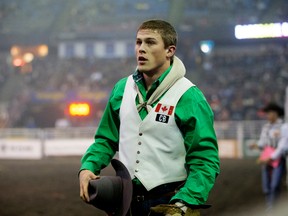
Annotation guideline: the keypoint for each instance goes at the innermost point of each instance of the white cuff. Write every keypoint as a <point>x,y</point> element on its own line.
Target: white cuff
<point>181,206</point>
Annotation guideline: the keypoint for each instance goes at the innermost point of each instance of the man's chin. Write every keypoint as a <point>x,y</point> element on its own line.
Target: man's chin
<point>147,72</point>
<point>142,70</point>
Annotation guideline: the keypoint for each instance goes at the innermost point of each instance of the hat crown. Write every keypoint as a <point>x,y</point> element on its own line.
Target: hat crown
<point>112,194</point>
<point>106,193</point>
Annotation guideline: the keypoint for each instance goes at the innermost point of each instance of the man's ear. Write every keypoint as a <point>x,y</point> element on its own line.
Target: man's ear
<point>171,51</point>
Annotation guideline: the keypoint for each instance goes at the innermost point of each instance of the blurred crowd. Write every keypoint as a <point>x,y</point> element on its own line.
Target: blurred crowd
<point>65,75</point>
<point>237,82</point>
<point>93,16</point>
<point>4,67</point>
<point>68,77</point>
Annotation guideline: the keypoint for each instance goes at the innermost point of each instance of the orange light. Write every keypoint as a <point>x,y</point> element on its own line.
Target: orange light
<point>18,62</point>
<point>43,50</point>
<point>15,50</point>
<point>79,109</point>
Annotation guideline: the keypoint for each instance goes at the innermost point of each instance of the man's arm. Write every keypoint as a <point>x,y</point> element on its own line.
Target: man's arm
<point>105,145</point>
<point>194,117</point>
<point>106,139</point>
<point>282,147</point>
<point>262,142</point>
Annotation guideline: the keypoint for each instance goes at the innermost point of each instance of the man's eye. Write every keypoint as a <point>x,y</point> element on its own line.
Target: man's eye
<point>150,42</point>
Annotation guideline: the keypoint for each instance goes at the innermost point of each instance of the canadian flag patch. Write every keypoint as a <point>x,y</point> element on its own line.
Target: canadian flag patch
<point>164,109</point>
<point>163,112</point>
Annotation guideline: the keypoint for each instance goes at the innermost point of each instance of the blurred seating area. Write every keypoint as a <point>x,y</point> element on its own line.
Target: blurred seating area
<point>53,74</point>
<point>103,16</point>
<point>239,10</point>
<point>91,16</point>
<point>4,69</point>
<point>53,77</point>
<point>24,17</point>
<point>4,75</point>
<point>236,82</point>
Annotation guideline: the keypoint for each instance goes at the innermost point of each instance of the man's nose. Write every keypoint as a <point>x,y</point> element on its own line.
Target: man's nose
<point>141,48</point>
<point>141,51</point>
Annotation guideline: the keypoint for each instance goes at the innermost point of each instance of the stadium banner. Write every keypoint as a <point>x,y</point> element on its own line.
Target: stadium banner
<point>228,148</point>
<point>66,147</point>
<point>84,48</point>
<point>48,96</point>
<point>57,96</point>
<point>20,148</point>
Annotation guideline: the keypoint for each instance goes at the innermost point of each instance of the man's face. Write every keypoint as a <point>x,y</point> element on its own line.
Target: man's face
<point>272,116</point>
<point>152,57</point>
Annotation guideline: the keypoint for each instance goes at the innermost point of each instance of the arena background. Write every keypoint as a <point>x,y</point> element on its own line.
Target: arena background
<point>60,59</point>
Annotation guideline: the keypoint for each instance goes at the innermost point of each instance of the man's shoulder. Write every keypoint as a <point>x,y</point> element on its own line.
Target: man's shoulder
<point>195,94</point>
<point>284,128</point>
<point>120,85</point>
<point>117,93</point>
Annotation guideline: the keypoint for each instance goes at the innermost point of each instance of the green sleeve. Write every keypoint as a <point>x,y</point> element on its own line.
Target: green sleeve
<point>195,119</point>
<point>106,139</point>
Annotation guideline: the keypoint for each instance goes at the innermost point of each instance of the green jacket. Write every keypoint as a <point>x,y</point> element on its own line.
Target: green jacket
<point>193,116</point>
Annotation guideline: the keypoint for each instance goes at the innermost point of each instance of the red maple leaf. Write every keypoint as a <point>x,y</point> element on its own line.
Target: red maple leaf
<point>164,108</point>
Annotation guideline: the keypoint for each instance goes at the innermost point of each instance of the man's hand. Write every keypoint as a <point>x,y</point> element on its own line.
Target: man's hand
<point>84,177</point>
<point>264,161</point>
<point>253,146</point>
<point>174,210</point>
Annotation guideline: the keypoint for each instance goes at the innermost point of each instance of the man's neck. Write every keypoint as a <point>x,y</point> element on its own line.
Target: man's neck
<point>151,76</point>
<point>149,80</point>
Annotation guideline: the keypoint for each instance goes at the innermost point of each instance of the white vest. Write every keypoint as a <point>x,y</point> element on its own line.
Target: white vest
<point>153,149</point>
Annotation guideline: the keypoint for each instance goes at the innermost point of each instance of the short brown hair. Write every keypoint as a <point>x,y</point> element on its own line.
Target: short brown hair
<point>165,29</point>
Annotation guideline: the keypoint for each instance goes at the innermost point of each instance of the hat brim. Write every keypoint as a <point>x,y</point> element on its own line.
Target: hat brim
<point>122,172</point>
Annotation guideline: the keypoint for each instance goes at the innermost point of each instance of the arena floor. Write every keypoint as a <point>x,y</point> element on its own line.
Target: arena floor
<point>49,187</point>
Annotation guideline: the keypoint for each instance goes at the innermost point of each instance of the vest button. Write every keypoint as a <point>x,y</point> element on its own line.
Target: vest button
<point>140,134</point>
<point>139,143</point>
<point>137,161</point>
<point>136,170</point>
<point>138,152</point>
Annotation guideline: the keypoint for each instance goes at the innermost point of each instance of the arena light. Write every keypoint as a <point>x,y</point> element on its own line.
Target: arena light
<point>206,46</point>
<point>268,30</point>
<point>42,50</point>
<point>285,29</point>
<point>15,50</point>
<point>79,109</point>
<point>18,62</point>
<point>28,57</point>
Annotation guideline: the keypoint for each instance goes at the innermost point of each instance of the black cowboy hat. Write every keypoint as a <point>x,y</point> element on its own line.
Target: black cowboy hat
<point>112,194</point>
<point>274,107</point>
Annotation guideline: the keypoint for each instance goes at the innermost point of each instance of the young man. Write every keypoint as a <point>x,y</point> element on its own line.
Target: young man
<point>162,126</point>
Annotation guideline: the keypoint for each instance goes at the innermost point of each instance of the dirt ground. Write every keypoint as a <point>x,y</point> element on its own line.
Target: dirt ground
<point>49,187</point>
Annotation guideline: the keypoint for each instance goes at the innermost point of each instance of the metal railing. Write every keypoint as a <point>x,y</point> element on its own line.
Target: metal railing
<point>235,135</point>
<point>47,133</point>
<point>224,130</point>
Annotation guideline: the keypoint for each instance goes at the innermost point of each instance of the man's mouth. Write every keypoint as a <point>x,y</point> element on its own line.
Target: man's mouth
<point>141,59</point>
